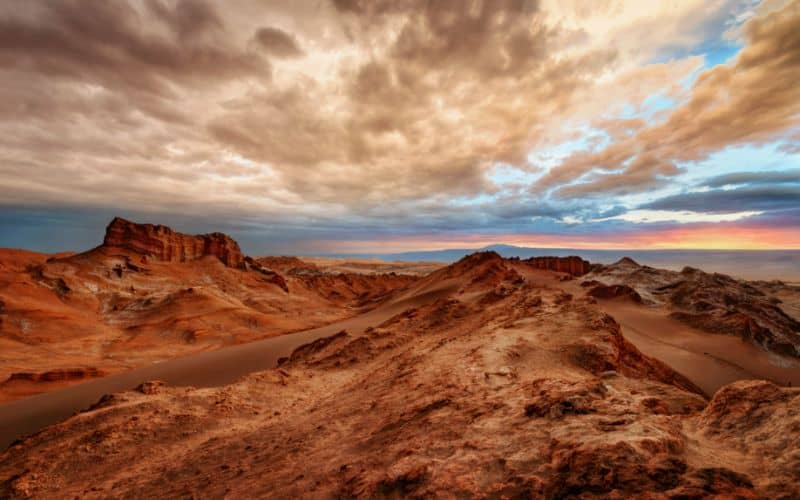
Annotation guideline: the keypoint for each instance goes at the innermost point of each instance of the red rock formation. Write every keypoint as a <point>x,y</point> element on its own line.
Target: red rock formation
<point>572,265</point>
<point>275,279</point>
<point>362,288</point>
<point>715,303</point>
<point>285,263</point>
<point>164,244</point>
<point>270,276</point>
<point>623,357</point>
<point>150,387</point>
<point>472,262</point>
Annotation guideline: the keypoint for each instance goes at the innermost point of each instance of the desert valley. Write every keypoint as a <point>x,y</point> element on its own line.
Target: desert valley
<point>160,363</point>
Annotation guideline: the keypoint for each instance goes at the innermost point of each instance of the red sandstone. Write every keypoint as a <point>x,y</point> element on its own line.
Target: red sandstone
<point>164,244</point>
<point>574,266</point>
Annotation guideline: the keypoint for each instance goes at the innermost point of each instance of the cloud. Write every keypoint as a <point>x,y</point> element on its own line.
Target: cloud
<point>754,100</point>
<point>277,42</point>
<point>117,45</point>
<point>435,94</point>
<point>372,117</point>
<point>189,19</point>
<point>679,216</point>
<point>751,178</point>
<point>642,173</point>
<point>760,198</point>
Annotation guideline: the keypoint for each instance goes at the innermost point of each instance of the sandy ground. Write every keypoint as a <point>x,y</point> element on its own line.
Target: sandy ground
<point>372,266</point>
<point>709,360</point>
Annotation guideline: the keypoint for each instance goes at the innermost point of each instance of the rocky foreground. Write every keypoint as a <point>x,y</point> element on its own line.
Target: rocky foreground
<point>494,381</point>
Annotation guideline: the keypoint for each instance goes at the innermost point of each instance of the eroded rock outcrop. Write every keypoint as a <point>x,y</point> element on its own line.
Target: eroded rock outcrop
<point>270,276</point>
<point>758,419</point>
<point>164,244</point>
<point>363,289</point>
<point>286,264</point>
<point>572,265</point>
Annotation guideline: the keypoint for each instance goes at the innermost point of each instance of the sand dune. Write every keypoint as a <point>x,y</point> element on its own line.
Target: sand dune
<point>710,361</point>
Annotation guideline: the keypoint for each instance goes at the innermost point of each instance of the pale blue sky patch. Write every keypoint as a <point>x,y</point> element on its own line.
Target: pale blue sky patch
<point>588,139</point>
<point>504,174</point>
<point>723,54</point>
<point>764,158</point>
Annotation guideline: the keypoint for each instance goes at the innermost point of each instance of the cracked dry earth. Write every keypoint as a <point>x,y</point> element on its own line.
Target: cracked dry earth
<point>507,387</point>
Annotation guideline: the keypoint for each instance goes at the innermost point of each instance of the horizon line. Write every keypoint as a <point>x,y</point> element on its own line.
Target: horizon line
<point>577,249</point>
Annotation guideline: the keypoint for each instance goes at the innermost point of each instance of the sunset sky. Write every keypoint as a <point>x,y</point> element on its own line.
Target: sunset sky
<point>390,125</point>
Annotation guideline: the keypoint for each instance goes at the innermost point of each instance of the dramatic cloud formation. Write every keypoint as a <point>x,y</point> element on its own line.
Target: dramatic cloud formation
<point>753,100</point>
<point>315,122</point>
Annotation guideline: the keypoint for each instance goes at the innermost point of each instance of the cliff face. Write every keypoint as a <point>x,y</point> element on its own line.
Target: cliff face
<point>571,265</point>
<point>164,244</point>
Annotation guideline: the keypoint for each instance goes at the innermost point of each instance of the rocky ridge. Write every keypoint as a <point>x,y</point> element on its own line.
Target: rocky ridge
<point>163,244</point>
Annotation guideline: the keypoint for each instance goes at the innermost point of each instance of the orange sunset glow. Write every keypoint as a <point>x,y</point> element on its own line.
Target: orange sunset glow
<point>704,237</point>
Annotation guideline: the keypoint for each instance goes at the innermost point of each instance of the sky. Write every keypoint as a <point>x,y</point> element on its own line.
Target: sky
<point>347,126</point>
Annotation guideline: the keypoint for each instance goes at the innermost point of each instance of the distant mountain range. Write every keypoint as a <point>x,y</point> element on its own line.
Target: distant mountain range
<point>749,264</point>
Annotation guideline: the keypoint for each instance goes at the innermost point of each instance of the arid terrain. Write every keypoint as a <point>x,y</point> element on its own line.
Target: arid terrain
<point>146,295</point>
<point>489,377</point>
<point>385,249</point>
